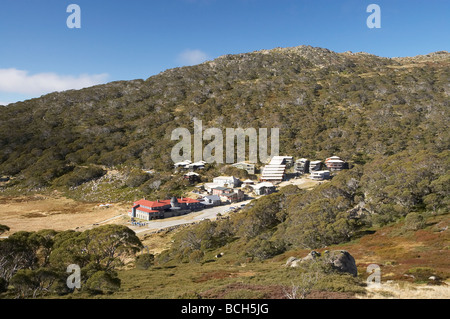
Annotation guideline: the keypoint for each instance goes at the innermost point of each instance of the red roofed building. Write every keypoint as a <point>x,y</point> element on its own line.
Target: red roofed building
<point>148,210</point>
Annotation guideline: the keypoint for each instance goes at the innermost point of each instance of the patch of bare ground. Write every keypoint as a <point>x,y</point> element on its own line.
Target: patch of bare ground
<point>37,212</point>
<point>303,183</point>
<point>404,290</point>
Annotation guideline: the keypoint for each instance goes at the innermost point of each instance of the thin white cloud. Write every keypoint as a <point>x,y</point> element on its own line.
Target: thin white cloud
<point>21,82</point>
<point>4,103</point>
<point>192,57</point>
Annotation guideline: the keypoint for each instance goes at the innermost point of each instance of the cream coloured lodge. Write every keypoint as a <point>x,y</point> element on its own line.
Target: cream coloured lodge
<point>335,163</point>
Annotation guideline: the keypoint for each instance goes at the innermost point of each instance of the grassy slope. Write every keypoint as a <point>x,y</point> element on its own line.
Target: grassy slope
<point>422,253</point>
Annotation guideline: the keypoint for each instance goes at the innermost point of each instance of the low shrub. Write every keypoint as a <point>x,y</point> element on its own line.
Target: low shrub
<point>145,261</point>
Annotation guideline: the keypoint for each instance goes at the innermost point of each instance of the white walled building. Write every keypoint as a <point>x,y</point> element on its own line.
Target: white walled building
<point>320,175</point>
<point>228,181</point>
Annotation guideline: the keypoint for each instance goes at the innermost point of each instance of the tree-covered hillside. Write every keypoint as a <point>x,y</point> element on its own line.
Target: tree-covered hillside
<point>355,105</point>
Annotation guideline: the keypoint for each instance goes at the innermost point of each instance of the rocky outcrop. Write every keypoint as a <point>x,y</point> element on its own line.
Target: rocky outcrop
<point>342,261</point>
<point>339,260</point>
<point>292,262</point>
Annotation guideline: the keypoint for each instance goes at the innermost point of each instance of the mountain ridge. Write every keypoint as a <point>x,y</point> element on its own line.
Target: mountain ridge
<point>305,49</point>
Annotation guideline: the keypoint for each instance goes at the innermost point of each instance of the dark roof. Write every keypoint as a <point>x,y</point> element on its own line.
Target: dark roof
<point>220,188</point>
<point>213,197</point>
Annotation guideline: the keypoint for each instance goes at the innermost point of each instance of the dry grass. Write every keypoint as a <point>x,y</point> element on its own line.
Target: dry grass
<point>33,213</point>
<point>157,243</point>
<point>302,183</point>
<point>404,290</point>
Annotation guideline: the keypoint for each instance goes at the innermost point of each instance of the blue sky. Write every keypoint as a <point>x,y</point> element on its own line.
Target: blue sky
<point>124,40</point>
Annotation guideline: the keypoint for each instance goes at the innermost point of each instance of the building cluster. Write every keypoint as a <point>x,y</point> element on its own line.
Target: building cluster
<point>229,189</point>
<point>275,171</point>
<point>223,190</point>
<point>319,170</point>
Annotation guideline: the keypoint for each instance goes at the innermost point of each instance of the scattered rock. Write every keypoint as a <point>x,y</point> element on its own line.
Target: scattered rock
<point>292,262</point>
<point>443,229</point>
<point>295,262</point>
<point>311,256</point>
<point>340,260</point>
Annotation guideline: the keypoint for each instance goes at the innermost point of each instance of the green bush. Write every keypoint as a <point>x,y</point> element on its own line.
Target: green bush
<point>414,221</point>
<point>102,283</point>
<point>3,229</point>
<point>136,179</point>
<point>264,249</point>
<point>145,261</point>
<point>340,283</point>
<point>196,256</point>
<point>80,175</point>
<point>3,285</point>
